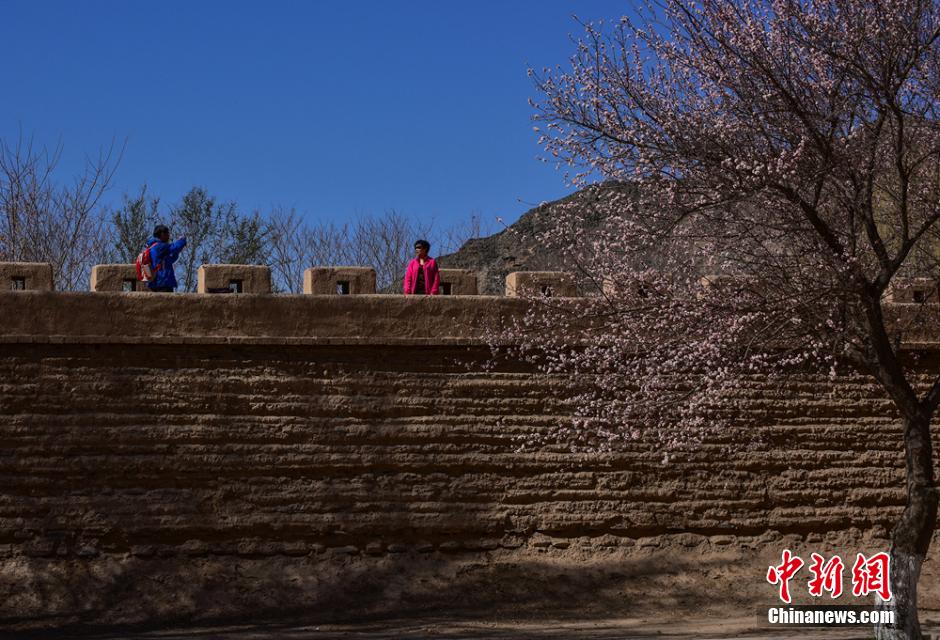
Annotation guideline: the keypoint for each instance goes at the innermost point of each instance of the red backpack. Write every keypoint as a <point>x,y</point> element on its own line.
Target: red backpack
<point>146,270</point>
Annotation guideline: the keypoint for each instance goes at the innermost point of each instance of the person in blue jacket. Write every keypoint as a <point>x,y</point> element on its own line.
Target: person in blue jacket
<point>163,254</point>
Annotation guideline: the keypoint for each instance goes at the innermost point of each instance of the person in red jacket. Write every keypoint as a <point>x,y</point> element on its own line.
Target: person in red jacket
<point>421,276</point>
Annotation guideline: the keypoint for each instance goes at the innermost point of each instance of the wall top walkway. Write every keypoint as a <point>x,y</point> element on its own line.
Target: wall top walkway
<point>65,317</point>
<point>133,318</point>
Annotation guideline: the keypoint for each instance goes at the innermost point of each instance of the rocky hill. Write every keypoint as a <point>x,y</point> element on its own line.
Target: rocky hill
<point>515,248</point>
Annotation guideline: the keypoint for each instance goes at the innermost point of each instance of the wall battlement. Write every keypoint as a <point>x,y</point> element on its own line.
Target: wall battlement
<point>62,317</point>
<point>50,316</point>
<point>241,278</point>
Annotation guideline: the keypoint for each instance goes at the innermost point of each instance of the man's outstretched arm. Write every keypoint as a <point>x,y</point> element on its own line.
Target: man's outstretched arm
<point>176,247</point>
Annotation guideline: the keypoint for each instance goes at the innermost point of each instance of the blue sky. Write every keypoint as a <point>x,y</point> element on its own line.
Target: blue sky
<point>335,108</point>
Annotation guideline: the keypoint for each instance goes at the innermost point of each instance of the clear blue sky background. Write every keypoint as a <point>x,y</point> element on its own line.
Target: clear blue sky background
<point>335,108</point>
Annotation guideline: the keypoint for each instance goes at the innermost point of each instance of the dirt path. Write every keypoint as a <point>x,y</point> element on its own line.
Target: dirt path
<point>429,628</point>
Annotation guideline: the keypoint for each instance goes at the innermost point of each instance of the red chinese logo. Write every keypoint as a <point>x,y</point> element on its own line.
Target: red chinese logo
<point>783,573</point>
<point>826,577</point>
<point>869,575</point>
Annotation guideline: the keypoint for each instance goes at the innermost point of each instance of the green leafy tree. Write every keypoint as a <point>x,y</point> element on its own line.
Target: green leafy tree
<point>132,224</point>
<point>244,239</point>
<point>216,233</point>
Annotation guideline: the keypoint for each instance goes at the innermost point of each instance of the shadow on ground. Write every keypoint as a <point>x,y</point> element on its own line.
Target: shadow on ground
<point>347,597</point>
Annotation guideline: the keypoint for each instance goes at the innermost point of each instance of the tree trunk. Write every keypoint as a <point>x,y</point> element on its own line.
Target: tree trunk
<point>910,538</point>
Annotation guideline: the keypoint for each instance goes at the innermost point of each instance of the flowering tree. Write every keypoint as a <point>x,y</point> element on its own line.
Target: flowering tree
<point>791,145</point>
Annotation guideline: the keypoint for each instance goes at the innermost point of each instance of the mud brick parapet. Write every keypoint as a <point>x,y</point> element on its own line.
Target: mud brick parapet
<point>234,278</point>
<point>116,277</point>
<point>287,319</point>
<point>730,285</point>
<point>458,282</point>
<point>545,283</point>
<point>339,280</point>
<point>912,291</point>
<point>25,276</point>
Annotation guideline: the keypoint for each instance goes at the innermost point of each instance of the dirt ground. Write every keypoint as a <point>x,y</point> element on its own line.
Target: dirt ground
<point>430,628</point>
<point>676,587</point>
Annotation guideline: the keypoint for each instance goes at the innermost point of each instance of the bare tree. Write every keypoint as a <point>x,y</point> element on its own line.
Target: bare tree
<point>67,225</point>
<point>384,242</point>
<point>295,246</point>
<point>43,220</point>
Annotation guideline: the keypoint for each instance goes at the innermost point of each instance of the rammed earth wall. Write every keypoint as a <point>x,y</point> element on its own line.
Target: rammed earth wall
<point>142,426</point>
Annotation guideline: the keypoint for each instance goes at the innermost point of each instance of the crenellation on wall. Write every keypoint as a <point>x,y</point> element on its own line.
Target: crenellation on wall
<point>556,284</point>
<point>458,282</point>
<point>912,291</point>
<point>25,276</point>
<point>233,278</point>
<point>116,277</point>
<point>339,280</point>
